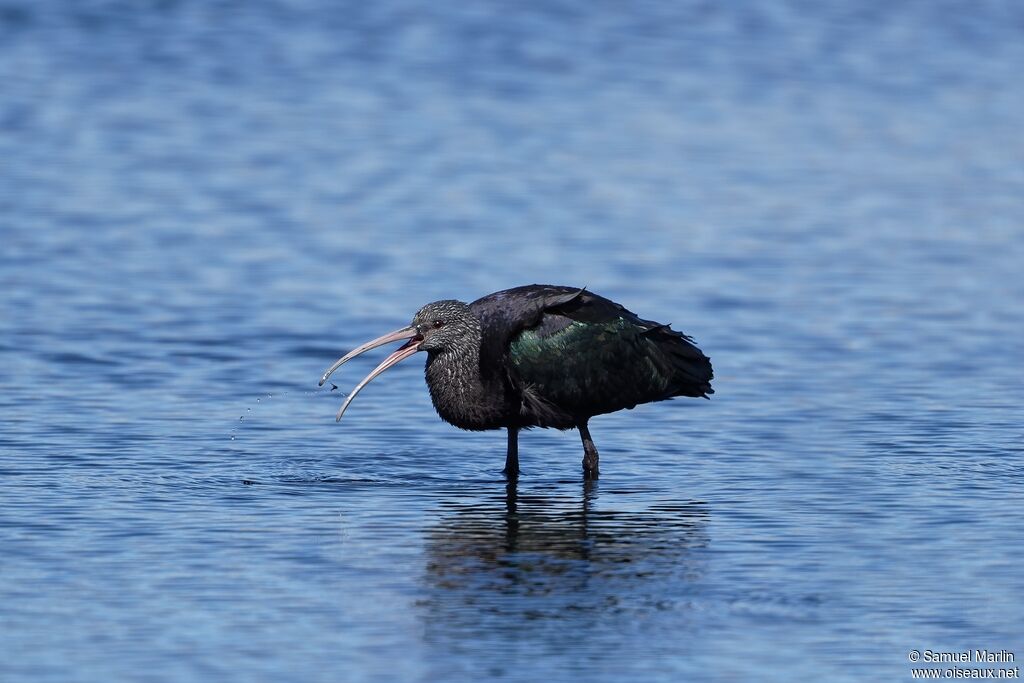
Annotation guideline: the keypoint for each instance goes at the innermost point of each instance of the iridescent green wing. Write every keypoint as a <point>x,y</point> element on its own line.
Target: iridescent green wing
<point>590,367</point>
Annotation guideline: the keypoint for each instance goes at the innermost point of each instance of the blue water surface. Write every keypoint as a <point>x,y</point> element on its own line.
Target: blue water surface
<point>204,203</point>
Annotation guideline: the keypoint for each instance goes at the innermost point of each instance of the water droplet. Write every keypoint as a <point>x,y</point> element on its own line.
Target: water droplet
<point>257,400</point>
<point>241,417</point>
<point>248,410</point>
<point>232,437</point>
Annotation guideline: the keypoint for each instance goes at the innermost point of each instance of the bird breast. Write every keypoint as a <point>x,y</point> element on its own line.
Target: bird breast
<point>463,398</point>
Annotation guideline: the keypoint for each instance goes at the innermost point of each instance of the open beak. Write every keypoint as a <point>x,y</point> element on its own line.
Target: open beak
<point>400,354</point>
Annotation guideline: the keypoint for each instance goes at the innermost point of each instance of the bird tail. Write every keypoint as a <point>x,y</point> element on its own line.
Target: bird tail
<point>690,370</point>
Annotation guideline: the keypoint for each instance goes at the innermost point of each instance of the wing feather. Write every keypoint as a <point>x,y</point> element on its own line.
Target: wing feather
<point>572,354</point>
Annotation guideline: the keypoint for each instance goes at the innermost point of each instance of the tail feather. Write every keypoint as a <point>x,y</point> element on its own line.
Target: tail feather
<point>689,368</point>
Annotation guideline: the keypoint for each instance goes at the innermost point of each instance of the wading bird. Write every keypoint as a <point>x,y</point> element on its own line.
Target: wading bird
<point>541,356</point>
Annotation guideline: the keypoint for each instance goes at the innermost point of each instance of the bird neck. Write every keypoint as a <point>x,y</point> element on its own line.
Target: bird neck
<point>462,393</point>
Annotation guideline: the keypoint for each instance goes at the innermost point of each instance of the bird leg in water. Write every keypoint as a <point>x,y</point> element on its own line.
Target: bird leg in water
<point>590,456</point>
<point>512,455</point>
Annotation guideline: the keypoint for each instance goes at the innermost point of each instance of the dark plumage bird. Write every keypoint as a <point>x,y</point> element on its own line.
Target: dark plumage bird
<point>541,356</point>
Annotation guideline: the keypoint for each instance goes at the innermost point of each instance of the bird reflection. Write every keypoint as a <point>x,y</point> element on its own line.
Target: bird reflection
<point>560,553</point>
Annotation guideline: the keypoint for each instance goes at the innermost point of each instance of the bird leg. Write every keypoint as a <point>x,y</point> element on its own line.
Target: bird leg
<point>512,455</point>
<point>590,456</point>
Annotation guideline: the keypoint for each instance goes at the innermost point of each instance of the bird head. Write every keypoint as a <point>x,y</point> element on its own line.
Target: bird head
<point>444,324</point>
<point>437,327</point>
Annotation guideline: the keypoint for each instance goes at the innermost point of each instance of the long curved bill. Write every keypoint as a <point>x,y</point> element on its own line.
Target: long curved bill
<point>403,352</point>
<point>400,354</point>
<point>397,335</point>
